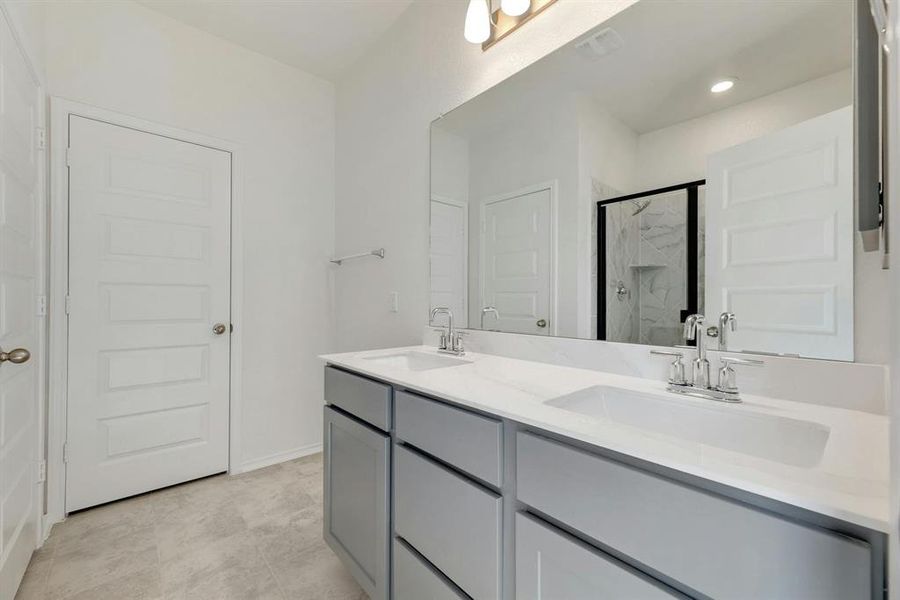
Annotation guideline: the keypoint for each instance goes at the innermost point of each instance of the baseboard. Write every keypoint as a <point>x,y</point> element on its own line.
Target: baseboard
<point>274,459</point>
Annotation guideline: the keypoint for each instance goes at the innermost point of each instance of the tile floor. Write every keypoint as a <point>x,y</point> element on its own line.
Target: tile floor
<point>253,536</point>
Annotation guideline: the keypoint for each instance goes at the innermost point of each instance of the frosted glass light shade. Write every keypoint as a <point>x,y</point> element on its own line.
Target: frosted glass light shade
<point>514,8</point>
<point>478,22</point>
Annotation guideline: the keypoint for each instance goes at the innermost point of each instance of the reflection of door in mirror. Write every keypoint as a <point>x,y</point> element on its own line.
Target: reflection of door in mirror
<point>449,249</point>
<point>516,261</point>
<point>783,262</point>
<point>647,247</point>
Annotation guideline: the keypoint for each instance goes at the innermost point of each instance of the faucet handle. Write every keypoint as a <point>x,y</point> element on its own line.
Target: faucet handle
<point>747,362</point>
<point>676,368</point>
<point>727,382</point>
<point>669,352</point>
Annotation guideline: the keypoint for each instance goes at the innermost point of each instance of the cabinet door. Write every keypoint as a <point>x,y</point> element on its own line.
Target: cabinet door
<point>356,500</point>
<point>552,566</point>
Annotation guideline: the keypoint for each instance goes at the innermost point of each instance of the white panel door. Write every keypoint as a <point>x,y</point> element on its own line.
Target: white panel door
<point>149,267</point>
<point>448,257</point>
<point>20,499</point>
<point>779,217</point>
<point>516,262</point>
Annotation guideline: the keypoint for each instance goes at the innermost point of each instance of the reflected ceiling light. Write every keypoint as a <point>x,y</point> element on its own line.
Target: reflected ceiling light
<point>478,22</point>
<point>514,8</point>
<point>723,85</point>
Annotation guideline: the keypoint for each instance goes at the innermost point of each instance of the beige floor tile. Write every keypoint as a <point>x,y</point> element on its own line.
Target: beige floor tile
<point>34,583</point>
<point>98,526</point>
<point>99,559</point>
<point>238,552</point>
<point>308,465</point>
<point>256,536</point>
<point>316,574</point>
<point>195,526</point>
<point>143,585</point>
<point>232,583</point>
<point>300,532</point>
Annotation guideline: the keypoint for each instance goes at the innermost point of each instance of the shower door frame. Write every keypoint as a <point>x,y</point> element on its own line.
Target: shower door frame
<point>692,219</point>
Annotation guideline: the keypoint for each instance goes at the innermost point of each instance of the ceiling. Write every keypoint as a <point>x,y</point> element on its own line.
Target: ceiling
<point>322,37</point>
<point>670,54</point>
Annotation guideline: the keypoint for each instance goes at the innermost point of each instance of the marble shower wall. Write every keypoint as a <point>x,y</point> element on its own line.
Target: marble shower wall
<point>663,269</point>
<point>646,256</point>
<point>622,315</point>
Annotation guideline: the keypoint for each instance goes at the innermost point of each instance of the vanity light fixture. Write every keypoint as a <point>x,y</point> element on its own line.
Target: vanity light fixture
<point>487,26</point>
<point>514,8</point>
<point>723,85</point>
<point>478,22</point>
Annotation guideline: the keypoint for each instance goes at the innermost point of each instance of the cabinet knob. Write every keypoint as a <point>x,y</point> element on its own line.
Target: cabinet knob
<point>16,357</point>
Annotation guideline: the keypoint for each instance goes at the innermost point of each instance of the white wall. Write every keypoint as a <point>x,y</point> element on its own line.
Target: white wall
<point>27,19</point>
<point>124,57</point>
<point>421,68</point>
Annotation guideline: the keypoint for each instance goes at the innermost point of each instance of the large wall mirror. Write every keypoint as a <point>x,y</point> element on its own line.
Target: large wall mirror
<point>682,158</point>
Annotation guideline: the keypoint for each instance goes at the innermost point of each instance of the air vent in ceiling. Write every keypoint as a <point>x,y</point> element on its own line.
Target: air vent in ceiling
<point>599,44</point>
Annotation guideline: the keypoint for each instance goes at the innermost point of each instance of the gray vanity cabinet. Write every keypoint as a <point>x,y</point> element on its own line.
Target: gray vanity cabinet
<point>427,500</point>
<point>357,479</point>
<point>414,579</point>
<point>452,522</point>
<point>721,548</point>
<point>552,566</point>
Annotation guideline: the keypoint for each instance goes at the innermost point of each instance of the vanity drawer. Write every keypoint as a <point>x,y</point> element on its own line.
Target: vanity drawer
<point>416,580</point>
<point>363,398</point>
<point>463,439</point>
<point>452,522</point>
<point>550,564</point>
<point>716,546</point>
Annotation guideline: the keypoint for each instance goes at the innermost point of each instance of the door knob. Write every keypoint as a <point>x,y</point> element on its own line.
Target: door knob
<point>17,356</point>
<point>542,323</point>
<point>219,328</point>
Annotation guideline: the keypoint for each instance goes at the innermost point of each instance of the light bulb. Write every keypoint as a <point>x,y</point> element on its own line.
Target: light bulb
<point>514,8</point>
<point>478,22</point>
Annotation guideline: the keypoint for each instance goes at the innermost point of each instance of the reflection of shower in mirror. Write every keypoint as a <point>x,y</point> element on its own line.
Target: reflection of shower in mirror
<point>639,206</point>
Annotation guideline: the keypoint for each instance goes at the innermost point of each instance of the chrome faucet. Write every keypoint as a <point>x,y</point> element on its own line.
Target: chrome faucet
<point>726,320</point>
<point>698,385</point>
<point>489,309</point>
<point>694,330</point>
<point>451,341</point>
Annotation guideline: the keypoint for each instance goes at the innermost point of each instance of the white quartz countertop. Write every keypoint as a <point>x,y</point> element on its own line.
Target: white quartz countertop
<point>850,482</point>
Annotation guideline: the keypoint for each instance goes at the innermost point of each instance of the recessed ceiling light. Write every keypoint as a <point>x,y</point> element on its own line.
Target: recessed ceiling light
<point>722,85</point>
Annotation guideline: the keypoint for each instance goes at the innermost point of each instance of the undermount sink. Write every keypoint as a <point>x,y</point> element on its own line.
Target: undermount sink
<point>417,361</point>
<point>782,439</point>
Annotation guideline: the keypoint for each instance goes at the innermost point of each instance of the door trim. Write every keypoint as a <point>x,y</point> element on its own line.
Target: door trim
<point>551,186</point>
<point>60,110</point>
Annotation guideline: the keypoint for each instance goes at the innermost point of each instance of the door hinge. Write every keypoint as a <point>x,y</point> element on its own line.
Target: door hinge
<point>65,452</point>
<point>41,137</point>
<point>42,471</point>
<point>41,307</point>
<point>68,157</point>
<point>68,303</point>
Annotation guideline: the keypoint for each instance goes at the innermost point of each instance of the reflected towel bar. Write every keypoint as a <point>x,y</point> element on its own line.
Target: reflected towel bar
<point>379,253</point>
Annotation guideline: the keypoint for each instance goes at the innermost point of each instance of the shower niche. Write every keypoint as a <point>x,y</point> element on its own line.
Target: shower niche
<point>648,262</point>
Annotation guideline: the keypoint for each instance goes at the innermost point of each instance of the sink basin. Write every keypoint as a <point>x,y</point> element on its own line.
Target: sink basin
<point>417,361</point>
<point>782,439</point>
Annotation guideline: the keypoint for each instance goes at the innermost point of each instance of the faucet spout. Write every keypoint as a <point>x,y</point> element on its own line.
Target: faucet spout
<point>489,309</point>
<point>693,330</point>
<point>450,342</point>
